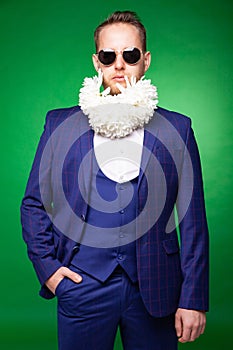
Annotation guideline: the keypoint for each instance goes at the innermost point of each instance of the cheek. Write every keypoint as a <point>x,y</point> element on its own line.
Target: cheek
<point>137,71</point>
<point>106,72</point>
<point>106,79</point>
<point>141,70</point>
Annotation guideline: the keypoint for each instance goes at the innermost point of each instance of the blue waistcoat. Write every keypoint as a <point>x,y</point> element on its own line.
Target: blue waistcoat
<point>100,262</point>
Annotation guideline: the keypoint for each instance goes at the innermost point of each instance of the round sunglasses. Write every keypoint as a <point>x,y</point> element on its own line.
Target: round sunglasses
<point>131,55</point>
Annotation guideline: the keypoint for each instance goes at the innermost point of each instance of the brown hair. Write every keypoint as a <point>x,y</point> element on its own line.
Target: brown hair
<point>127,17</point>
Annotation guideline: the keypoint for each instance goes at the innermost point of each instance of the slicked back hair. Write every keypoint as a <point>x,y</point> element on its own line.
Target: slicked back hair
<point>127,17</point>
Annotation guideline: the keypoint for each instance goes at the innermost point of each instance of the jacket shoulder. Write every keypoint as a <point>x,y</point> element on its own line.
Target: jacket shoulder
<point>57,116</point>
<point>178,120</point>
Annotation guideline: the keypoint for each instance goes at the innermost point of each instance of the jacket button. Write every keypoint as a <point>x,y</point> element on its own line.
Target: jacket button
<point>119,257</point>
<point>75,249</point>
<point>83,217</point>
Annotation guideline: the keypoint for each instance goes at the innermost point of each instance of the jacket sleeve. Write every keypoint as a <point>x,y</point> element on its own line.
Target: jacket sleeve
<point>36,224</point>
<point>193,228</point>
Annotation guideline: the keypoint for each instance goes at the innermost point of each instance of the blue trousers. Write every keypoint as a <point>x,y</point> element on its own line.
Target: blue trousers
<point>89,314</point>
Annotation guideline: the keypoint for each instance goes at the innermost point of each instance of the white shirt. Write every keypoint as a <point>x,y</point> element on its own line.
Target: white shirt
<point>120,159</point>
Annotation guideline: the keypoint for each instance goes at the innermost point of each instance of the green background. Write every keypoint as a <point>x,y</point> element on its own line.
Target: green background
<point>46,49</point>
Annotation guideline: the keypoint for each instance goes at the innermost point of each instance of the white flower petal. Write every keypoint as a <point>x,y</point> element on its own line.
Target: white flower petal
<point>118,115</point>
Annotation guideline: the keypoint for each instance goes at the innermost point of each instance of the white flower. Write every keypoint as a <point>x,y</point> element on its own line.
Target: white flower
<point>118,115</point>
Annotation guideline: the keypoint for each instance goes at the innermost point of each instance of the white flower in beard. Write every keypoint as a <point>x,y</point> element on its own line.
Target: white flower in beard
<point>117,116</point>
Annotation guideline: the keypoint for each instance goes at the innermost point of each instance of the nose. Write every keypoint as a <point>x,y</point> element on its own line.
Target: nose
<point>119,62</point>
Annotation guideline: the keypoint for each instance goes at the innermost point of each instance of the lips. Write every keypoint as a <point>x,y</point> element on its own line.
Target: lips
<point>119,78</point>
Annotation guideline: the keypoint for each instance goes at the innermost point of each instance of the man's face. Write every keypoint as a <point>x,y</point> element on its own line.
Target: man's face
<point>118,37</point>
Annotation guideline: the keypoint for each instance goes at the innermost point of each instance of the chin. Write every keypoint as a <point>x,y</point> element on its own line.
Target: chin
<point>115,90</point>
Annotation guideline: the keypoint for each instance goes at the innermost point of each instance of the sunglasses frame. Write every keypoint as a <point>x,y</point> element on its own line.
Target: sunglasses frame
<point>117,52</point>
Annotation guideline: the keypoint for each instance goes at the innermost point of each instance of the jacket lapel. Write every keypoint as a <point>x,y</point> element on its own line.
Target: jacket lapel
<point>150,140</point>
<point>86,154</point>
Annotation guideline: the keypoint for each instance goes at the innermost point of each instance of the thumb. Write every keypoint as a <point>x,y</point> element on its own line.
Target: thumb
<point>75,277</point>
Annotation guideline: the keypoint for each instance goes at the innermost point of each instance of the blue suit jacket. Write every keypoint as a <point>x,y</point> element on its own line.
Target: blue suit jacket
<point>171,274</point>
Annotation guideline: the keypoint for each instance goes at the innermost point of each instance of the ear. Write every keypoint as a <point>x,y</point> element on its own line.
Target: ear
<point>147,60</point>
<point>95,62</point>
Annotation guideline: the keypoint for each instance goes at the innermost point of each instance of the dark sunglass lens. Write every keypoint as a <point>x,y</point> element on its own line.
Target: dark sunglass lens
<point>106,57</point>
<point>132,56</point>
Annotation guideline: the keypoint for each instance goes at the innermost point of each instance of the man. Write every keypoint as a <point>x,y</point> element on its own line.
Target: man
<point>119,264</point>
